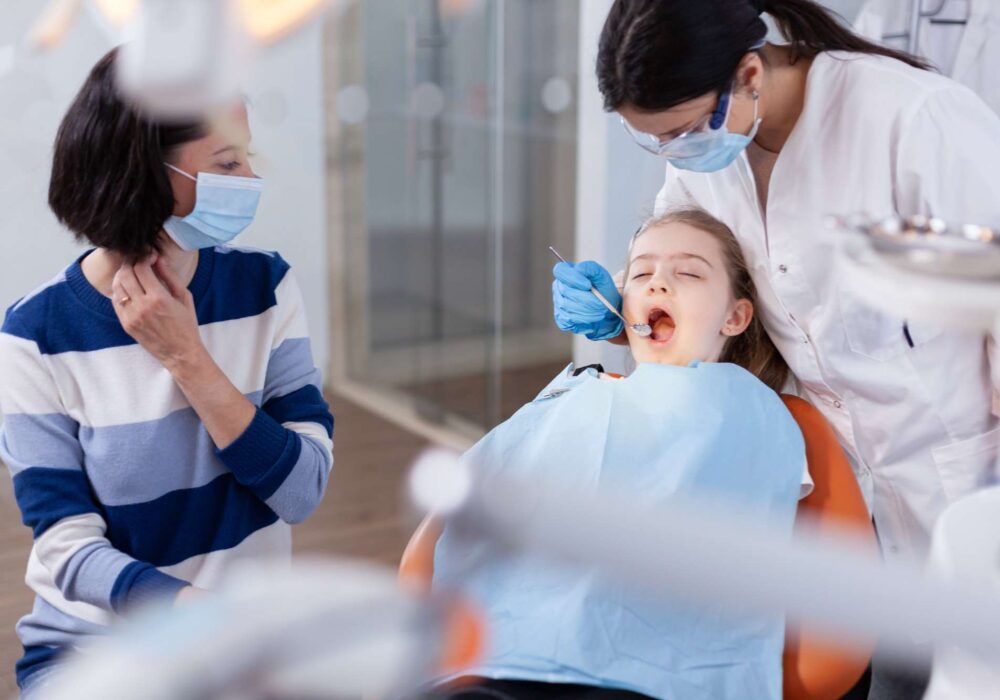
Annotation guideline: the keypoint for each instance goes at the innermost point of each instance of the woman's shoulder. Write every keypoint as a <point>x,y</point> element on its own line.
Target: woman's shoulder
<point>250,255</point>
<point>880,82</point>
<point>243,265</point>
<point>28,316</point>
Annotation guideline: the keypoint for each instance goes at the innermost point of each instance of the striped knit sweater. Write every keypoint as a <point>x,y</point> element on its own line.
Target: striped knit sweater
<point>126,494</point>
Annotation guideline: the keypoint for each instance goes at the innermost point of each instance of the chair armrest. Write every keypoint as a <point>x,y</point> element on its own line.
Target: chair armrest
<point>416,568</point>
<point>815,668</point>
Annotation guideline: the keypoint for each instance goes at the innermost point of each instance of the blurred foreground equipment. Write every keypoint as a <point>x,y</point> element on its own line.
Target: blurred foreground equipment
<point>313,630</point>
<point>184,58</point>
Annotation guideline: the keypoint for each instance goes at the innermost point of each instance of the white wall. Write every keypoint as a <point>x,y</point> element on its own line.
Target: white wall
<point>848,9</point>
<point>287,118</point>
<point>616,180</point>
<point>286,95</point>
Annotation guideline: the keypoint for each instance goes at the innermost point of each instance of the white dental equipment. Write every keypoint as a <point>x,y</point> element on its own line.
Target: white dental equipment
<point>313,630</point>
<point>923,268</point>
<point>183,58</point>
<point>716,556</point>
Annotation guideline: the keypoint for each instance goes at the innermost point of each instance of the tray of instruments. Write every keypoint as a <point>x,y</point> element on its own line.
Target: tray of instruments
<point>930,245</point>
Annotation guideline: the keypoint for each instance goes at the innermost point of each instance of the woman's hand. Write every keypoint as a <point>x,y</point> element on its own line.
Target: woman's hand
<point>158,311</point>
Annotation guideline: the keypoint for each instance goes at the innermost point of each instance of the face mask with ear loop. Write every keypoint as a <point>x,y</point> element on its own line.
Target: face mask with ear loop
<point>705,149</point>
<point>224,206</point>
<point>715,148</point>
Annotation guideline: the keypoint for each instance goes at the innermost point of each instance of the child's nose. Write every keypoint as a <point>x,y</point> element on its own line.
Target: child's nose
<point>658,286</point>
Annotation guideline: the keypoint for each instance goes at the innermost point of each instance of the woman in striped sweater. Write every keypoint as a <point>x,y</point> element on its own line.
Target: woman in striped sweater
<point>163,416</point>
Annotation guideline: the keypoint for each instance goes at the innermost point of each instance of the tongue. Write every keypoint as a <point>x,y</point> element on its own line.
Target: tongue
<point>663,329</point>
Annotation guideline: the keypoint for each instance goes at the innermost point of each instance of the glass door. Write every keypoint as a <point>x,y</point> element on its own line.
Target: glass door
<point>452,169</point>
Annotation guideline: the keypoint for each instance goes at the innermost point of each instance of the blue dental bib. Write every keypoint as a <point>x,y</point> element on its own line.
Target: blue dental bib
<point>709,431</point>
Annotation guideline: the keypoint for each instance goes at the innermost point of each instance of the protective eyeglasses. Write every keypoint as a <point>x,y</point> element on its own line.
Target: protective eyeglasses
<point>681,146</point>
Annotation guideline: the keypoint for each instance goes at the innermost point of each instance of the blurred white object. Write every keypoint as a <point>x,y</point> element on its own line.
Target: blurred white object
<point>704,551</point>
<point>352,104</point>
<point>440,483</point>
<point>557,95</point>
<point>716,556</point>
<point>7,59</point>
<point>315,630</point>
<point>923,268</point>
<point>427,100</point>
<point>966,548</point>
<point>185,58</point>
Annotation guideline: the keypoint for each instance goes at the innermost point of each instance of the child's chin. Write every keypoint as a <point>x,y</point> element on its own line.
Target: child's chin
<point>648,357</point>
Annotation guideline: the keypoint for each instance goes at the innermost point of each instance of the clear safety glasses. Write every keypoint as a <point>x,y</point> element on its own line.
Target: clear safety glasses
<point>682,145</point>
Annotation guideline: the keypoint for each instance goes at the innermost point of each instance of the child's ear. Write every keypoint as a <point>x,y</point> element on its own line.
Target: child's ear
<point>739,318</point>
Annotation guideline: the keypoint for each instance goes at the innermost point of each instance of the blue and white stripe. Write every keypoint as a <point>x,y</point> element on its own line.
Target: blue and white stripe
<point>125,493</point>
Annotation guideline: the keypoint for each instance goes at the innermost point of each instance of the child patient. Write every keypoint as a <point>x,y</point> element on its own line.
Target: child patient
<point>698,417</point>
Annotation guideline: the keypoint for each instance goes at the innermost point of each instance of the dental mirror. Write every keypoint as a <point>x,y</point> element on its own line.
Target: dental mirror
<point>641,329</point>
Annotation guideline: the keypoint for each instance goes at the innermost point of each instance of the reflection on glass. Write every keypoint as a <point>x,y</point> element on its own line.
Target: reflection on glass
<point>444,198</point>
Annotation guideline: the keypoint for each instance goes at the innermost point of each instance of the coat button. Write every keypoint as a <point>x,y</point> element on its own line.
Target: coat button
<point>782,269</point>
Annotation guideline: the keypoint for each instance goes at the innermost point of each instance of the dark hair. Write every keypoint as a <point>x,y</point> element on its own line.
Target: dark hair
<point>656,54</point>
<point>752,349</point>
<point>108,183</point>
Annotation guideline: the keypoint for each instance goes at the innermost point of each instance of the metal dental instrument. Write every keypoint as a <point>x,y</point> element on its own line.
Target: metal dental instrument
<point>641,329</point>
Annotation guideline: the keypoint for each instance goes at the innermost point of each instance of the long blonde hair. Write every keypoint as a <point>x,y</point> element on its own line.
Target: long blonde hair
<point>752,349</point>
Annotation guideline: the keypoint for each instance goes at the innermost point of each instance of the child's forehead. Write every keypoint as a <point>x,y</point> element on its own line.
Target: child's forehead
<point>675,237</point>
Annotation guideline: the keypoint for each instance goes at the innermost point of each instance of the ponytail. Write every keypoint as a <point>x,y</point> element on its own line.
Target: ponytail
<point>811,29</point>
<point>656,54</point>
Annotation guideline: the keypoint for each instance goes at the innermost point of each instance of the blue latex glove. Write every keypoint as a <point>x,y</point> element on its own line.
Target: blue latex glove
<point>576,308</point>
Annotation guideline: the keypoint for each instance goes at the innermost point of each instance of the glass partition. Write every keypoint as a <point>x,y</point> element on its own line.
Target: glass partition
<point>451,167</point>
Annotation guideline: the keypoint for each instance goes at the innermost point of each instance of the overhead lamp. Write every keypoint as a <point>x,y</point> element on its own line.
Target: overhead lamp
<point>265,21</point>
<point>117,13</point>
<point>54,23</point>
<point>184,58</point>
<point>268,21</point>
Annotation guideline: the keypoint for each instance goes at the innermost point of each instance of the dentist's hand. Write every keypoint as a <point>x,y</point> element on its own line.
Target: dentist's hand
<point>576,308</point>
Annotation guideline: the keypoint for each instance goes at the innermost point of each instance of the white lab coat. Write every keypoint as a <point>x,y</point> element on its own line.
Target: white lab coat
<point>879,136</point>
<point>967,53</point>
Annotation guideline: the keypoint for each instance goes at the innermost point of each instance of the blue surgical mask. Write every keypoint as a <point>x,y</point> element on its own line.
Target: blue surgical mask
<point>708,146</point>
<point>716,147</point>
<point>224,206</point>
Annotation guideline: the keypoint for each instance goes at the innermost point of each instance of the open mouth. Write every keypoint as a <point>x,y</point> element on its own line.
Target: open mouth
<point>662,324</point>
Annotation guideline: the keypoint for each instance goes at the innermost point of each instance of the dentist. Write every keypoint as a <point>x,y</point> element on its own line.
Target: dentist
<point>772,138</point>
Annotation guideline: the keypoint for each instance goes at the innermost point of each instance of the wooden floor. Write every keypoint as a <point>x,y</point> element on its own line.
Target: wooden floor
<point>363,515</point>
<point>466,396</point>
